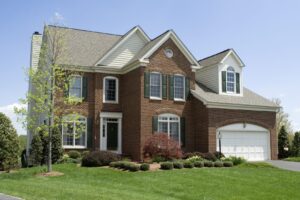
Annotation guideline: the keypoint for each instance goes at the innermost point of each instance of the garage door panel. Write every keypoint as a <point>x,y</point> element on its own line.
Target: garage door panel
<point>253,146</point>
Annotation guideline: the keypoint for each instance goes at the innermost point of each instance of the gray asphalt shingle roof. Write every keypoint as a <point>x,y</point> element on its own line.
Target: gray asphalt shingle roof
<point>81,47</point>
<point>249,98</point>
<point>214,59</point>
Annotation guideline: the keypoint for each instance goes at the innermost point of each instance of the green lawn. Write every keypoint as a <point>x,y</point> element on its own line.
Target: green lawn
<point>246,182</point>
<point>293,159</point>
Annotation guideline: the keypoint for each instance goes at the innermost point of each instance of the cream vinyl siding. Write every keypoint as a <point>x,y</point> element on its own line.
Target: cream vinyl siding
<point>123,54</point>
<point>209,77</point>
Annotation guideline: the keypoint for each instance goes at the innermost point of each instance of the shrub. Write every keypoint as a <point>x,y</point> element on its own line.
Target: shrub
<point>166,165</point>
<point>99,158</point>
<point>191,154</point>
<point>134,167</point>
<point>209,156</point>
<point>219,155</point>
<point>235,160</point>
<point>178,165</point>
<point>84,153</point>
<point>218,164</point>
<point>74,154</point>
<point>161,144</point>
<point>67,159</point>
<point>9,144</point>
<point>158,159</point>
<point>145,167</point>
<point>199,164</point>
<point>114,164</point>
<point>36,151</point>
<point>188,164</point>
<point>194,159</point>
<point>283,143</point>
<point>296,145</point>
<point>227,163</point>
<point>208,163</point>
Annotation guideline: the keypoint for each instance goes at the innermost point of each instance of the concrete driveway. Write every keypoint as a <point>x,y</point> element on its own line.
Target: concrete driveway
<point>292,166</point>
<point>7,197</point>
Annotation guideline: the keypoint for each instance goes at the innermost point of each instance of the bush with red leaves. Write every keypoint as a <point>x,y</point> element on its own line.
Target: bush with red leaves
<point>161,145</point>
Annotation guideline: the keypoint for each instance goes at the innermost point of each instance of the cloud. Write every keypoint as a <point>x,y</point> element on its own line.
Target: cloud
<point>8,110</point>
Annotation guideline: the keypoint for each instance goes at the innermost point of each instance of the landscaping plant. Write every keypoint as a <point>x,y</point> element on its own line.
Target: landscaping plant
<point>199,164</point>
<point>145,167</point>
<point>99,158</point>
<point>188,164</point>
<point>166,165</point>
<point>178,165</point>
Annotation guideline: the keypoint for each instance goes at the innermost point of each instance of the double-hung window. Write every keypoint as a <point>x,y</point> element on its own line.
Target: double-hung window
<point>111,87</point>
<point>169,124</point>
<point>230,79</point>
<point>155,85</point>
<point>74,129</point>
<point>75,88</point>
<point>179,87</point>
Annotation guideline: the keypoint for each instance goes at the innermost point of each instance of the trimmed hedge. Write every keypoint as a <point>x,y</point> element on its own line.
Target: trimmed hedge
<point>178,165</point>
<point>208,164</point>
<point>218,164</point>
<point>145,167</point>
<point>99,158</point>
<point>188,164</point>
<point>166,165</point>
<point>227,164</point>
<point>74,154</point>
<point>199,164</point>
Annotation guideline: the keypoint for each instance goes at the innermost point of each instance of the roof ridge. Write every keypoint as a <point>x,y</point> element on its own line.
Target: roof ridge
<point>215,54</point>
<point>77,29</point>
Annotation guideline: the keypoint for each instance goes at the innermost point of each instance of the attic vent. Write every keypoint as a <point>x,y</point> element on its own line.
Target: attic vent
<point>169,53</point>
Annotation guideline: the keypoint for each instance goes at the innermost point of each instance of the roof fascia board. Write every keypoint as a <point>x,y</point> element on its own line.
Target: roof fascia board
<point>128,35</point>
<point>235,56</point>
<point>179,44</point>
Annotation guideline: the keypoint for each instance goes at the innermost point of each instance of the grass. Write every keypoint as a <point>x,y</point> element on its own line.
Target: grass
<point>249,181</point>
<point>293,159</point>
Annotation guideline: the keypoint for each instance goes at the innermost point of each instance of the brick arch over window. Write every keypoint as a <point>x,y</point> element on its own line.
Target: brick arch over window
<point>249,121</point>
<point>168,110</point>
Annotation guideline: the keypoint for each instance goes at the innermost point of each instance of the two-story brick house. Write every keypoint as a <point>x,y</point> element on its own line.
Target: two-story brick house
<point>133,86</point>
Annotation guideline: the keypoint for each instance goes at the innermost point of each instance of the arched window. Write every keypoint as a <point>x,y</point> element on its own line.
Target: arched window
<point>74,129</point>
<point>110,89</point>
<point>170,124</point>
<point>230,80</point>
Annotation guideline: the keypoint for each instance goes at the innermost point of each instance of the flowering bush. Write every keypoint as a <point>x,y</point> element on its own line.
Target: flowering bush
<point>195,158</point>
<point>161,145</point>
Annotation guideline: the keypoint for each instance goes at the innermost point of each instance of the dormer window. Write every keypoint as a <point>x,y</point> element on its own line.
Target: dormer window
<point>230,79</point>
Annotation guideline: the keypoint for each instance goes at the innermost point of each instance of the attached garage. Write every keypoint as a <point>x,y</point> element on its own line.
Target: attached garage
<point>249,141</point>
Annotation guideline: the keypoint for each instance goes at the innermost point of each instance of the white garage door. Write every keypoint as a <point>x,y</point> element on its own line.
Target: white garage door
<point>244,140</point>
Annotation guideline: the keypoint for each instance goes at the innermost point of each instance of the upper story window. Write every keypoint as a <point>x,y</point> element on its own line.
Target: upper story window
<point>111,89</point>
<point>230,79</point>
<point>179,87</point>
<point>74,129</point>
<point>169,53</point>
<point>169,124</point>
<point>155,85</point>
<point>75,87</point>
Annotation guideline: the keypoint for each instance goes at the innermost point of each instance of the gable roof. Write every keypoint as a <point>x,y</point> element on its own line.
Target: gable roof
<point>219,58</point>
<point>249,100</point>
<point>82,47</point>
<point>136,29</point>
<point>152,46</point>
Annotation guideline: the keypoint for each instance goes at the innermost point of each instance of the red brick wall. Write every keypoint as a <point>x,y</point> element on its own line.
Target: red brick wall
<point>177,64</point>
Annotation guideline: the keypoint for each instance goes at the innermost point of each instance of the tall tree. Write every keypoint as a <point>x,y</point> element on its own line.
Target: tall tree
<point>282,119</point>
<point>283,143</point>
<point>296,144</point>
<point>47,80</point>
<point>9,144</point>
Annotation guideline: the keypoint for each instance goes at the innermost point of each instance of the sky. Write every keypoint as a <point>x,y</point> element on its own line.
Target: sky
<point>265,34</point>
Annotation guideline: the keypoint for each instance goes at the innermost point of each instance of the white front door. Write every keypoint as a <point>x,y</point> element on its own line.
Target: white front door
<point>110,132</point>
<point>248,141</point>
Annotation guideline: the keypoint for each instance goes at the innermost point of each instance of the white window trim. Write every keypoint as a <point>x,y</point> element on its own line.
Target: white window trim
<point>179,99</point>
<point>117,89</point>
<point>151,97</point>
<point>68,119</point>
<point>72,76</point>
<point>167,115</point>
<point>234,82</point>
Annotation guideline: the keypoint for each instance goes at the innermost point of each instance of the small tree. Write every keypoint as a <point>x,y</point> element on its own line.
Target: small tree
<point>36,152</point>
<point>296,144</point>
<point>160,144</point>
<point>9,144</point>
<point>283,143</point>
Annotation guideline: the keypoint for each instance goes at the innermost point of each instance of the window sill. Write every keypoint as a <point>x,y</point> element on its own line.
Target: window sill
<point>179,100</point>
<point>112,102</point>
<point>74,147</point>
<point>156,98</point>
